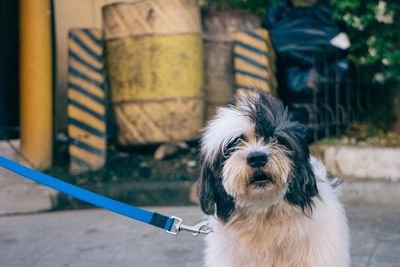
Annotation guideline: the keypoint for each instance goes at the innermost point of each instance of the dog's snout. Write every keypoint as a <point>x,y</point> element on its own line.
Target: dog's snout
<point>257,159</point>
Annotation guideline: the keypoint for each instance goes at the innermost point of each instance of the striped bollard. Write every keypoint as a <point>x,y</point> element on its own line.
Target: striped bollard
<point>254,60</point>
<point>86,101</point>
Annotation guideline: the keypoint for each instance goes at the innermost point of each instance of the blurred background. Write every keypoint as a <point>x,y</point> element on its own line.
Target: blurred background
<point>112,96</point>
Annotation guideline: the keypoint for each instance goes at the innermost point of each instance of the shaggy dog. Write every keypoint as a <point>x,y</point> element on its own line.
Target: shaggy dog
<point>270,203</point>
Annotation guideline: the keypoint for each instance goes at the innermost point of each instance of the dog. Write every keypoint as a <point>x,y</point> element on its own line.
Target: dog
<point>269,202</point>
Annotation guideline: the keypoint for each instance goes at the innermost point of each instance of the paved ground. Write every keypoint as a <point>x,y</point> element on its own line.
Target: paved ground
<point>17,194</point>
<point>99,238</point>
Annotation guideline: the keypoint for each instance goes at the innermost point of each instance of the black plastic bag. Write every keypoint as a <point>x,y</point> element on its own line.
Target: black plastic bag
<point>301,39</point>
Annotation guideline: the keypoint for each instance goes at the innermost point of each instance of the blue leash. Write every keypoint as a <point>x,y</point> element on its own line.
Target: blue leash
<point>173,225</point>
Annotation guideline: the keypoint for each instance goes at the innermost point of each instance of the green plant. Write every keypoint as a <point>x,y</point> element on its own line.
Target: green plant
<point>373,27</point>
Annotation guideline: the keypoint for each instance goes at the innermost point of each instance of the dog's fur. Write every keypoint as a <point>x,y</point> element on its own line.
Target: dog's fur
<point>282,214</point>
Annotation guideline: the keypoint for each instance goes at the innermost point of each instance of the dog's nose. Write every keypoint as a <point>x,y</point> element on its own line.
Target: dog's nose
<point>257,159</point>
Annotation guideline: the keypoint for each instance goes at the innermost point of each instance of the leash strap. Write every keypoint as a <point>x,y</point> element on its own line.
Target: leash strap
<point>153,218</point>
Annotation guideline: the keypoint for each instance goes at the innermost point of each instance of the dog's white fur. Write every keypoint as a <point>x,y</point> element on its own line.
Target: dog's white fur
<point>227,124</point>
<point>284,236</point>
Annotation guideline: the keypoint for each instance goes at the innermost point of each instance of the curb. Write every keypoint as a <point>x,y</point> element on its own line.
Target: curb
<point>371,192</point>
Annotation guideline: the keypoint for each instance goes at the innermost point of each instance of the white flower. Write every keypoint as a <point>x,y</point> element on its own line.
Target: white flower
<point>347,17</point>
<point>385,61</point>
<point>357,24</point>
<point>381,7</point>
<point>381,14</point>
<point>379,77</point>
<point>372,52</point>
<point>371,40</point>
<point>363,60</point>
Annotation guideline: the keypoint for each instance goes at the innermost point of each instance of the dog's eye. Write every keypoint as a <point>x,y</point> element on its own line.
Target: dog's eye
<point>235,142</point>
<point>232,146</point>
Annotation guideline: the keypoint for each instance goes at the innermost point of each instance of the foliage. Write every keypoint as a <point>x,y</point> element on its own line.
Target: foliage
<point>373,27</point>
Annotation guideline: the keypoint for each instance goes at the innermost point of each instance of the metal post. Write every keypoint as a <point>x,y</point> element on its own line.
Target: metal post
<point>36,82</point>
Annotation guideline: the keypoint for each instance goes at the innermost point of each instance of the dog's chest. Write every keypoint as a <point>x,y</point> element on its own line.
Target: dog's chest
<point>263,244</point>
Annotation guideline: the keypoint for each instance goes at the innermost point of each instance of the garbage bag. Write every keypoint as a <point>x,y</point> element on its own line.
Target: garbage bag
<point>302,40</point>
<point>302,82</point>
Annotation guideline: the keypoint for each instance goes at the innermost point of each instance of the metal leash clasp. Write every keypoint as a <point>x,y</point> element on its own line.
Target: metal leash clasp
<point>202,227</point>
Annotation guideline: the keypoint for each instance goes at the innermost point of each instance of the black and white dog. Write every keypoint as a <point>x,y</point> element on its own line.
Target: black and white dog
<point>270,203</point>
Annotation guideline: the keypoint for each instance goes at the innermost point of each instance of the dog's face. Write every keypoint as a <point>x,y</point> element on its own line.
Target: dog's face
<point>253,157</point>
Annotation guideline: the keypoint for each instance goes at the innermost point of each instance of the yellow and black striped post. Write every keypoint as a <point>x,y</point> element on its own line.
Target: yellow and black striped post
<point>254,60</point>
<point>86,100</point>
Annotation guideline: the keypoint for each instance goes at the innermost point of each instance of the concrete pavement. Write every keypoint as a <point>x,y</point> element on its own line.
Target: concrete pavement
<point>17,194</point>
<point>100,238</point>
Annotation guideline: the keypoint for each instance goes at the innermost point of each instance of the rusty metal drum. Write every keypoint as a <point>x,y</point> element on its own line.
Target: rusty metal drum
<point>154,62</point>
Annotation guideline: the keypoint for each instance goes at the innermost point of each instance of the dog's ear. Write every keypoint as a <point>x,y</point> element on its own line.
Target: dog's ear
<point>205,191</point>
<point>212,195</point>
<point>302,186</point>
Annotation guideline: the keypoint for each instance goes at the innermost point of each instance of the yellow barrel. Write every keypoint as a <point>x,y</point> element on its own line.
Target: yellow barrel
<point>36,82</point>
<point>154,61</point>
